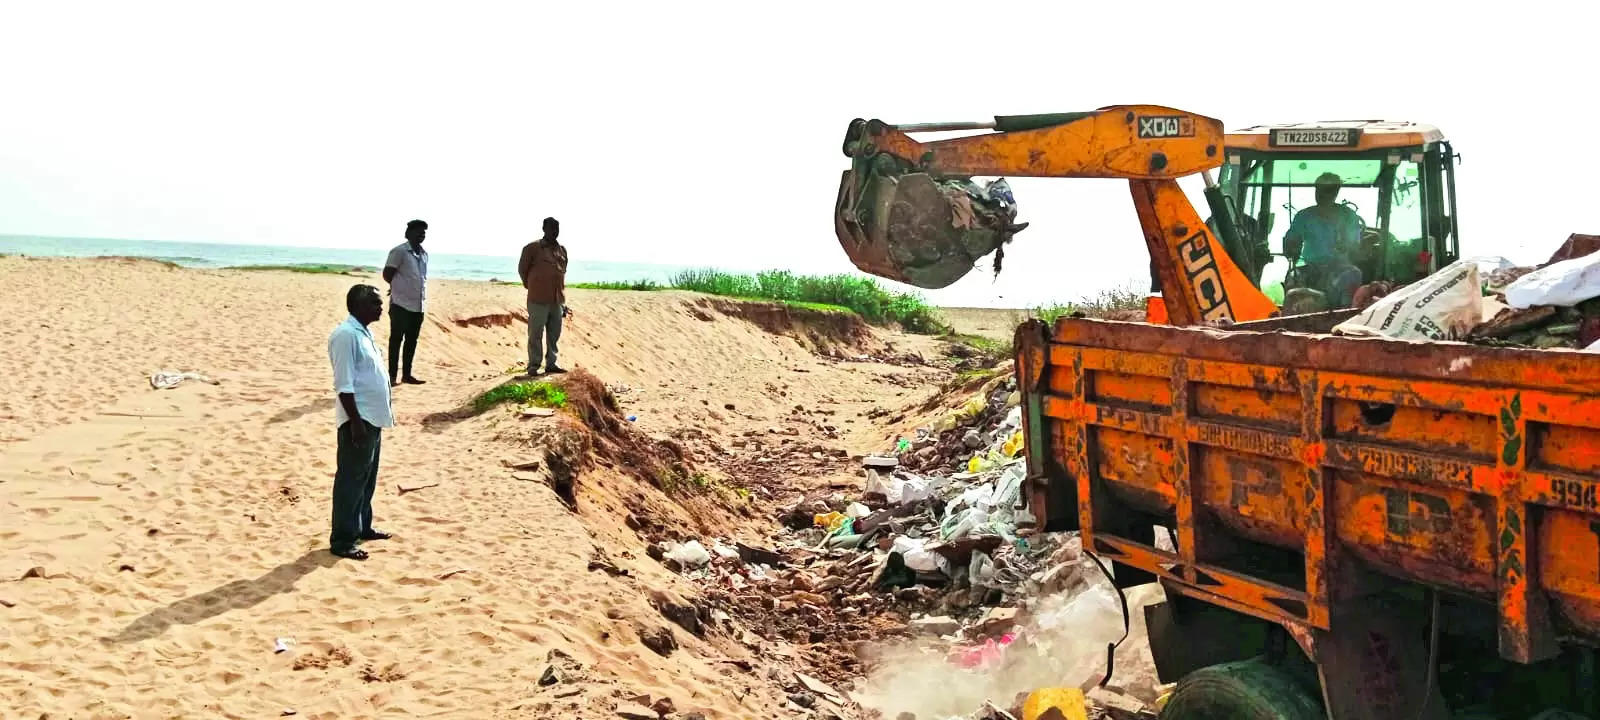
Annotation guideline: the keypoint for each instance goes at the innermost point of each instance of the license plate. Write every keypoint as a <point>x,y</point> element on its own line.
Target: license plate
<point>1340,137</point>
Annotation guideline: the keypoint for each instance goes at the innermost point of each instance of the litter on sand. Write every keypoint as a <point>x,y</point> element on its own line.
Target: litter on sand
<point>166,380</point>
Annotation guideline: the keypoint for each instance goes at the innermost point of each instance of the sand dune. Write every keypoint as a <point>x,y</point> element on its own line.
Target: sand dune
<point>156,544</point>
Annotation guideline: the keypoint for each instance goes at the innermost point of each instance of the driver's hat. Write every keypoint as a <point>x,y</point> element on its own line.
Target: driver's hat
<point>1329,180</point>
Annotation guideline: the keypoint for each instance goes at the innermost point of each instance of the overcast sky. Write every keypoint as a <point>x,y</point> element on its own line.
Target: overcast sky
<point>706,133</point>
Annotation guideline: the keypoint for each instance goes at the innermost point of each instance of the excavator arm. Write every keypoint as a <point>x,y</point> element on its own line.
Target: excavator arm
<point>907,211</point>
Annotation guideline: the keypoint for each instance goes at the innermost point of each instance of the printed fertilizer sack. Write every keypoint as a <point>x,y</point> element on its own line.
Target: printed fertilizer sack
<point>1444,306</point>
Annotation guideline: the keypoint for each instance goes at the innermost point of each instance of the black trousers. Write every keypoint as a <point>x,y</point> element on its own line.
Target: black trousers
<point>403,327</point>
<point>354,482</point>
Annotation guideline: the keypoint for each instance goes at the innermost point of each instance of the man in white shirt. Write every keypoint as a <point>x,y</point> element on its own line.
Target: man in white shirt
<point>362,412</point>
<point>406,271</point>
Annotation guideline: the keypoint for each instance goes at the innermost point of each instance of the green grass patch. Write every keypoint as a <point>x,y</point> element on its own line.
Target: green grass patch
<point>312,268</point>
<point>830,293</point>
<point>640,285</point>
<point>542,394</point>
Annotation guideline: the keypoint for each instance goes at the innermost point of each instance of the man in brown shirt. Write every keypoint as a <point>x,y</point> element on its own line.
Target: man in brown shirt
<point>543,269</point>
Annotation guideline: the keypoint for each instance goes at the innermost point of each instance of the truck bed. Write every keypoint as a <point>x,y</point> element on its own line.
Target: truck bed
<point>1295,468</point>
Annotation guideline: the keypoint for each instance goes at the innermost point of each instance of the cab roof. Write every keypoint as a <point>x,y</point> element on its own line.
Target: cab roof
<point>1336,135</point>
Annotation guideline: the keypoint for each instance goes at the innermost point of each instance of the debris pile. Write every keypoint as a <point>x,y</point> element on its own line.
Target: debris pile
<point>934,557</point>
<point>1491,302</point>
<point>917,228</point>
<point>987,427</point>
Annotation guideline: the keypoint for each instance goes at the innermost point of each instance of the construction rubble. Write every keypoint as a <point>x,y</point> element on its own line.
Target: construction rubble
<point>934,556</point>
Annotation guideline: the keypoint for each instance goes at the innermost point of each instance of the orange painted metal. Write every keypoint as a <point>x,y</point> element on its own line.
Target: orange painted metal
<point>1118,141</point>
<point>1200,283</point>
<point>1284,462</point>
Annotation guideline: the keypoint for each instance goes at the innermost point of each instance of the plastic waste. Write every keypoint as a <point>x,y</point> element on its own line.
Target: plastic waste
<point>690,554</point>
<point>902,446</point>
<point>857,510</point>
<point>900,488</point>
<point>914,489</point>
<point>988,652</point>
<point>917,556</point>
<point>981,570</point>
<point>961,524</point>
<point>1013,446</point>
<point>830,521</point>
<point>1564,284</point>
<point>1069,701</point>
<point>1073,631</point>
<point>1443,306</point>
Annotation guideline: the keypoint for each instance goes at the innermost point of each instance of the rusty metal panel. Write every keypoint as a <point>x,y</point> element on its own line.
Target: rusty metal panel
<point>1431,534</point>
<point>1137,467</point>
<point>1560,447</point>
<point>1126,363</point>
<point>1254,495</point>
<point>1113,388</point>
<point>1243,375</point>
<point>1458,434</point>
<point>1062,381</point>
<point>1272,410</point>
<point>1473,469</point>
<point>1569,565</point>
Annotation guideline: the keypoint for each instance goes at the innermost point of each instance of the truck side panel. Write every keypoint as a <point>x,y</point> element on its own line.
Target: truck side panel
<point>1293,467</point>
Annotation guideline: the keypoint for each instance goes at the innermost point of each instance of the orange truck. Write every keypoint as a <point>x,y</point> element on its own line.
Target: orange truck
<point>1351,529</point>
<point>1345,528</point>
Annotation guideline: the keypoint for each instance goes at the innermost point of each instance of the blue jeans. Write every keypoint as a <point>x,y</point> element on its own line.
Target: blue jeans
<point>544,323</point>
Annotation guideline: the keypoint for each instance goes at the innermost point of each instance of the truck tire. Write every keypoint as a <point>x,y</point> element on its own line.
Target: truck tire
<point>1249,690</point>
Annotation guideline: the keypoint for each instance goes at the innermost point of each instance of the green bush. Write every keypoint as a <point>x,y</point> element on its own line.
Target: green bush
<point>860,295</point>
<point>542,394</point>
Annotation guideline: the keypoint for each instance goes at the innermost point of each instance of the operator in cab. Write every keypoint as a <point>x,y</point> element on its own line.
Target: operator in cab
<point>1325,236</point>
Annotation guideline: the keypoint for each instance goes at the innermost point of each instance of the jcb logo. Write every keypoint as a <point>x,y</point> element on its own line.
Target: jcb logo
<point>1165,126</point>
<point>1200,267</point>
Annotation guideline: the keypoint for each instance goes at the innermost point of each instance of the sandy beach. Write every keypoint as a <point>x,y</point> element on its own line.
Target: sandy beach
<point>158,544</point>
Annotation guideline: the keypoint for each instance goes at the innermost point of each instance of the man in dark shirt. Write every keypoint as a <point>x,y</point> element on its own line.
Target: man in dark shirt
<point>543,269</point>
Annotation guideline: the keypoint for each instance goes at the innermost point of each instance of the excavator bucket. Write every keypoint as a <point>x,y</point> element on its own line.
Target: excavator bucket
<point>917,229</point>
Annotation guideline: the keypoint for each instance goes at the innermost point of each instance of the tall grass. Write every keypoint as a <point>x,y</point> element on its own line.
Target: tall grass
<point>861,295</point>
<point>616,285</point>
<point>1106,303</point>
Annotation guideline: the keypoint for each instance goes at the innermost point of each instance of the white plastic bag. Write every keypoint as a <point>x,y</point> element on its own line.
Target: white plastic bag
<point>1444,306</point>
<point>857,510</point>
<point>917,557</point>
<point>911,489</point>
<point>898,489</point>
<point>1564,284</point>
<point>690,554</point>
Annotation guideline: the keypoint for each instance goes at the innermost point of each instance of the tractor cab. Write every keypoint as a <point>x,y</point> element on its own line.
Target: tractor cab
<point>1397,180</point>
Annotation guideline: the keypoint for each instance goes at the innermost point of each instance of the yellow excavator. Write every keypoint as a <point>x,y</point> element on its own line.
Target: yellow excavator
<point>910,211</point>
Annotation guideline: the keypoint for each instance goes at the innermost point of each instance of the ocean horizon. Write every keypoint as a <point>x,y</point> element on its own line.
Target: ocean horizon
<point>969,293</point>
<point>220,255</point>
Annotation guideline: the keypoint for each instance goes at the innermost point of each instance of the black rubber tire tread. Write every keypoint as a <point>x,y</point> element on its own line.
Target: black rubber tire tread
<point>1248,690</point>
